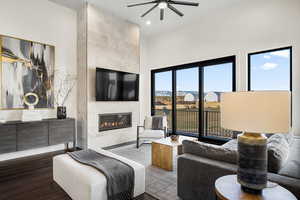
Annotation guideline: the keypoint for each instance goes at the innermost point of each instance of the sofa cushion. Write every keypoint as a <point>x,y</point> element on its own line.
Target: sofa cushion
<point>211,151</point>
<point>289,137</point>
<point>278,152</point>
<point>292,166</point>
<point>291,169</point>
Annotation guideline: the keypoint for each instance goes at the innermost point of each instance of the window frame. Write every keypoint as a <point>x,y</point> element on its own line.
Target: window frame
<point>290,48</point>
<point>201,65</point>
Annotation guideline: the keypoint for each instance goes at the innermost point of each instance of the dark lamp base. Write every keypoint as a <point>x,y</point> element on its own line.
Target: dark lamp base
<point>251,191</point>
<point>252,161</point>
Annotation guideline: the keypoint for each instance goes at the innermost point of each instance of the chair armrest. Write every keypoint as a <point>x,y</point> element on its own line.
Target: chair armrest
<point>138,128</point>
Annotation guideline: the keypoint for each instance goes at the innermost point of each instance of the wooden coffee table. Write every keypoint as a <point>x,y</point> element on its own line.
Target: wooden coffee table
<point>164,149</point>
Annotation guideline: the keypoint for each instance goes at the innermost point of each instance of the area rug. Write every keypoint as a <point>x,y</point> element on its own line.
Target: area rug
<point>145,196</point>
<point>160,184</point>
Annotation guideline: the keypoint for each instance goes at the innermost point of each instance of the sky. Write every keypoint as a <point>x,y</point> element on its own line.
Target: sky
<point>216,78</point>
<point>269,71</point>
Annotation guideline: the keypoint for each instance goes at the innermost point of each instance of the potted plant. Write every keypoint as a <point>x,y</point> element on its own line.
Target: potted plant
<point>65,84</point>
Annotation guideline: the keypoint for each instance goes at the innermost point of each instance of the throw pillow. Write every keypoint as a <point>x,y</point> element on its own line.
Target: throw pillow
<point>278,152</point>
<point>292,166</point>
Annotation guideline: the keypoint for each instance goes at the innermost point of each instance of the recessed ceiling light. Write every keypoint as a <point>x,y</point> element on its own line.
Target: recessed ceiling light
<point>148,22</point>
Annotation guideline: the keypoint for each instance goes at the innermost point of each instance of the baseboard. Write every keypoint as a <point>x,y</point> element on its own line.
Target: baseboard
<point>119,145</point>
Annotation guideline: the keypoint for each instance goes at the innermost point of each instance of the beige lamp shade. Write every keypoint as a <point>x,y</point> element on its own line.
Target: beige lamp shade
<point>256,112</point>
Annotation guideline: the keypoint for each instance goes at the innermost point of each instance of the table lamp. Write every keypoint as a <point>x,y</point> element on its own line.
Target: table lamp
<point>255,113</point>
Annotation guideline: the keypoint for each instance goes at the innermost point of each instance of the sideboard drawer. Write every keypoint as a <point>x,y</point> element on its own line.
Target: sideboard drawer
<point>61,131</point>
<point>8,138</point>
<point>32,135</point>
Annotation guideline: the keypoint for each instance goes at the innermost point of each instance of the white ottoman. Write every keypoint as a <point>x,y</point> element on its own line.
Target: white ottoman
<point>82,182</point>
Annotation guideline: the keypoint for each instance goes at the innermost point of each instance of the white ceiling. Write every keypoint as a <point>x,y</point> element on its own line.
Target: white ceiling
<point>171,21</point>
<point>73,4</point>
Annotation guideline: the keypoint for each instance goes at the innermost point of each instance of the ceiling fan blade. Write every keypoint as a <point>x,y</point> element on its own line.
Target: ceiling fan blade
<point>141,4</point>
<point>162,13</point>
<point>184,3</point>
<point>175,10</point>
<point>146,13</point>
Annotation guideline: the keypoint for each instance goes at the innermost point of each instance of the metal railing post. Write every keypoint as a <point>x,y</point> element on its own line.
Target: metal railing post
<point>188,122</point>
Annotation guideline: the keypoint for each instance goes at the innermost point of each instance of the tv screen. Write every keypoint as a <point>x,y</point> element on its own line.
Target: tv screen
<point>116,86</point>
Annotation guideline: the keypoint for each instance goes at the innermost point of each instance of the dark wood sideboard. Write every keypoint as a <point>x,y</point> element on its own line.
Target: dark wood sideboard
<point>19,136</point>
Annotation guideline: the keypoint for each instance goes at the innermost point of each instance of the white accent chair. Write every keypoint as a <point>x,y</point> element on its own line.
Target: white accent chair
<point>146,131</point>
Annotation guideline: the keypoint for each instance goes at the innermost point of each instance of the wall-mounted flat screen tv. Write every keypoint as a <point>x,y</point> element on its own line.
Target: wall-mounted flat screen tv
<point>114,85</point>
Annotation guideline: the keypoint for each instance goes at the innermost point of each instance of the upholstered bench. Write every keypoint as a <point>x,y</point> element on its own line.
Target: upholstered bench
<point>83,182</point>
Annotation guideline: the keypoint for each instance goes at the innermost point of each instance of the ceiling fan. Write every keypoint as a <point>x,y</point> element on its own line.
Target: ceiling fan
<point>163,4</point>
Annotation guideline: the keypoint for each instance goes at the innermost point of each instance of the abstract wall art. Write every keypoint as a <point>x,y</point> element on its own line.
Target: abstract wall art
<point>26,67</point>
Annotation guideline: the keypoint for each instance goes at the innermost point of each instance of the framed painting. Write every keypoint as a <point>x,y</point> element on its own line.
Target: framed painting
<point>26,67</point>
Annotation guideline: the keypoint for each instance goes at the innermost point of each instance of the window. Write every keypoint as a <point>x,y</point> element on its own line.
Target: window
<point>270,70</point>
<point>163,95</point>
<point>190,96</point>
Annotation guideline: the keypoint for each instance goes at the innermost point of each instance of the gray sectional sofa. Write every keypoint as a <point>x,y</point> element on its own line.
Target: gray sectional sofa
<point>202,163</point>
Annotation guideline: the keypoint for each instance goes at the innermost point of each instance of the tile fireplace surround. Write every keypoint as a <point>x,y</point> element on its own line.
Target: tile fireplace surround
<point>112,121</point>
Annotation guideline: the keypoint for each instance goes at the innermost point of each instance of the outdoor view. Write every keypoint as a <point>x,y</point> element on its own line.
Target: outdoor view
<point>217,79</point>
<point>269,71</point>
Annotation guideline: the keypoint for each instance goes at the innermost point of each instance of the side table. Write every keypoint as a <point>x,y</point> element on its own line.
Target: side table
<point>227,188</point>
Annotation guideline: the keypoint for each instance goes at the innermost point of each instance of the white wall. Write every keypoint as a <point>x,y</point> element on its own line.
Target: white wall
<point>237,29</point>
<point>45,22</point>
<point>113,43</point>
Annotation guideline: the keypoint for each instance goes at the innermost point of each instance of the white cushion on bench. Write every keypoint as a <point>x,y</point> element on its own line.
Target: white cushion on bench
<point>82,182</point>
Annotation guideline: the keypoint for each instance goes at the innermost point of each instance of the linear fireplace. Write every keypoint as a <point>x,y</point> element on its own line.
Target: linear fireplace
<point>114,121</point>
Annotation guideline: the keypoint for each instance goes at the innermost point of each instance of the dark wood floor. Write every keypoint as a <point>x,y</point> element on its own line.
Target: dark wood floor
<point>30,178</point>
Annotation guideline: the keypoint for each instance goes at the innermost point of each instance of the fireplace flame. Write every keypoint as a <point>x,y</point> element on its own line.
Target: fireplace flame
<point>114,121</point>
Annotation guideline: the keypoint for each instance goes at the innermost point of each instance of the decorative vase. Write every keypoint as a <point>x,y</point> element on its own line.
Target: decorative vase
<point>61,112</point>
<point>174,138</point>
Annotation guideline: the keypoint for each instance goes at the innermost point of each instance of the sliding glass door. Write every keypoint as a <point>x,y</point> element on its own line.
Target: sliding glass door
<point>216,80</point>
<point>189,95</point>
<point>162,99</point>
<point>187,101</point>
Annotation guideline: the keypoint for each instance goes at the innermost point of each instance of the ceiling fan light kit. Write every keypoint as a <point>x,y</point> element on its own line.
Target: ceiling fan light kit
<point>164,4</point>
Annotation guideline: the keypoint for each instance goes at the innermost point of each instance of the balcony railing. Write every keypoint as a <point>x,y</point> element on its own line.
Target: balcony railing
<point>187,122</point>
<point>212,125</point>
